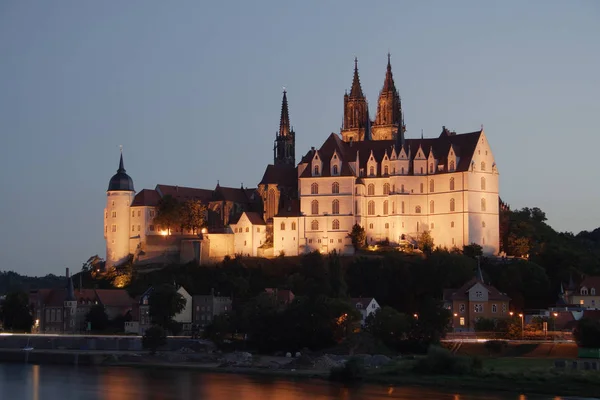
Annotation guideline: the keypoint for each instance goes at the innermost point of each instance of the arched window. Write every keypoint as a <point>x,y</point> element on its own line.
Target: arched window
<point>293,226</point>
<point>335,170</point>
<point>593,291</point>
<point>247,229</point>
<point>483,224</point>
<point>371,208</point>
<point>421,187</point>
<point>402,207</point>
<point>371,189</point>
<point>421,170</point>
<point>385,207</point>
<point>431,168</point>
<point>402,170</point>
<point>584,291</point>
<point>314,207</point>
<point>335,225</point>
<point>482,183</point>
<point>483,165</point>
<point>283,226</point>
<point>385,171</point>
<point>482,204</point>
<point>418,210</point>
<point>451,166</point>
<point>335,207</point>
<point>335,187</point>
<point>314,225</point>
<point>452,205</point>
<point>402,188</point>
<point>387,225</point>
<point>431,186</point>
<point>451,183</point>
<point>316,170</point>
<point>386,188</point>
<point>372,171</point>
<point>314,188</point>
<point>431,207</point>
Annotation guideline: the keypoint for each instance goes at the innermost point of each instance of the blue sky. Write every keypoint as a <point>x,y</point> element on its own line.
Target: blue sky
<point>192,90</point>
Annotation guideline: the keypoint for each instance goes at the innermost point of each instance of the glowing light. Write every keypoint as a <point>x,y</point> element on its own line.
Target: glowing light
<point>164,233</point>
<point>555,314</point>
<point>204,230</point>
<point>511,313</point>
<point>521,315</point>
<point>455,314</point>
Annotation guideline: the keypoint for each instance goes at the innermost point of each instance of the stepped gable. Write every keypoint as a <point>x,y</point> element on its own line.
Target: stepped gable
<point>463,144</point>
<point>147,197</point>
<point>281,174</point>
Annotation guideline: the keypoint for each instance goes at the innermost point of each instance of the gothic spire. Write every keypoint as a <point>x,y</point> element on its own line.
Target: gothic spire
<point>356,91</point>
<point>388,84</point>
<point>284,121</point>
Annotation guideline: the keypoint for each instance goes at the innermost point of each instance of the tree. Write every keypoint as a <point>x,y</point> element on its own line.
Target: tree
<point>430,323</point>
<point>485,325</point>
<point>472,250</point>
<point>425,242</point>
<point>153,338</point>
<point>359,236</point>
<point>97,318</point>
<point>336,276</point>
<point>587,333</point>
<point>164,303</point>
<point>168,213</point>
<point>16,313</point>
<point>193,215</point>
<point>389,326</point>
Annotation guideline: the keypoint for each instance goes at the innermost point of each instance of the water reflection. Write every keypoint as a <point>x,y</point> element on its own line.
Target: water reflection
<point>25,382</point>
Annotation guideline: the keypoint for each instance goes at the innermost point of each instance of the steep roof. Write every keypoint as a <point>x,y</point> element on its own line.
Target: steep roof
<point>182,193</point>
<point>236,195</point>
<point>461,293</point>
<point>281,174</point>
<point>114,297</point>
<point>254,218</point>
<point>590,282</point>
<point>290,208</point>
<point>363,301</point>
<point>146,197</point>
<point>356,91</point>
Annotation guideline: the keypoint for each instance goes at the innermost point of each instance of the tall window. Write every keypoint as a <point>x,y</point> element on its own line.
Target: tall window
<point>393,207</point>
<point>451,166</point>
<point>385,207</point>
<point>431,207</point>
<point>371,208</point>
<point>371,189</point>
<point>335,187</point>
<point>314,188</point>
<point>482,183</point>
<point>316,170</point>
<point>293,226</point>
<point>386,188</point>
<point>402,208</point>
<point>421,170</point>
<point>387,225</point>
<point>402,170</point>
<point>421,187</point>
<point>314,225</point>
<point>372,171</point>
<point>483,205</point>
<point>314,207</point>
<point>335,207</point>
<point>402,188</point>
<point>431,186</point>
<point>335,170</point>
<point>114,214</point>
<point>452,205</point>
<point>385,171</point>
<point>431,168</point>
<point>283,226</point>
<point>335,225</point>
<point>271,206</point>
<point>418,209</point>
<point>483,165</point>
<point>451,183</point>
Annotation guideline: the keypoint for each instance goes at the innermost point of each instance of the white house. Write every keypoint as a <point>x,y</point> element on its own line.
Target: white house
<point>366,306</point>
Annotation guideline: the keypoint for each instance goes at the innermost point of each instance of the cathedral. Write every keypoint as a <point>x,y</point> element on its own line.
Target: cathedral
<point>369,174</point>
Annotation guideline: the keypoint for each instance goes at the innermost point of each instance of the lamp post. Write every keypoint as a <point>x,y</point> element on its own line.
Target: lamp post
<point>454,321</point>
<point>554,326</point>
<point>521,316</point>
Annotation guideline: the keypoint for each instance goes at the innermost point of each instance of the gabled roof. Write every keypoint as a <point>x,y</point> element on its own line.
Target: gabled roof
<point>182,193</point>
<point>146,197</point>
<point>235,195</point>
<point>281,174</point>
<point>254,218</point>
<point>590,282</point>
<point>114,297</point>
<point>290,208</point>
<point>333,144</point>
<point>363,301</point>
<point>462,292</point>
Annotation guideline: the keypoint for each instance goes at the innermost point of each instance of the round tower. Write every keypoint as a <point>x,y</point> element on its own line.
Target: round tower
<point>119,196</point>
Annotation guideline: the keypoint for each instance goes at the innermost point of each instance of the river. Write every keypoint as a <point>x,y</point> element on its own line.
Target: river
<point>49,382</point>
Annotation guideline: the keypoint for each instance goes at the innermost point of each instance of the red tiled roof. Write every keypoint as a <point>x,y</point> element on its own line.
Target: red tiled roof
<point>590,282</point>
<point>461,293</point>
<point>146,197</point>
<point>283,295</point>
<point>114,297</point>
<point>283,175</point>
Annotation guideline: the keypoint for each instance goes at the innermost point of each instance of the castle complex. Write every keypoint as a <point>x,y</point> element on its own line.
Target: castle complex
<point>396,188</point>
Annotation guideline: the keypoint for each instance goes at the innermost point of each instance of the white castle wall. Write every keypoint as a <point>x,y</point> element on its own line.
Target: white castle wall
<point>117,226</point>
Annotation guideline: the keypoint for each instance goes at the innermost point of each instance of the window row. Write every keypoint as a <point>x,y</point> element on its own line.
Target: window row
<point>293,226</point>
<point>386,187</point>
<point>479,308</point>
<point>335,225</point>
<point>335,207</point>
<point>241,230</point>
<point>314,188</point>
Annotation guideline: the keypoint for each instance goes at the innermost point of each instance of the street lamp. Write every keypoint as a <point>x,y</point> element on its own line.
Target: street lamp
<point>416,316</point>
<point>554,326</point>
<point>521,316</point>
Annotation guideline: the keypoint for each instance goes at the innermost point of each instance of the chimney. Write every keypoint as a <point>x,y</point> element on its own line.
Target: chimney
<point>67,273</point>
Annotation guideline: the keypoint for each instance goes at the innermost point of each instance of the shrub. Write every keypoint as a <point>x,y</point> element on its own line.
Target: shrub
<point>496,346</point>
<point>440,361</point>
<point>153,338</point>
<point>352,370</point>
<point>587,333</point>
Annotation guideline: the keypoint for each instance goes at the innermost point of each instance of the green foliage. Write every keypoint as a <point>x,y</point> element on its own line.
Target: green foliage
<point>220,327</point>
<point>473,250</point>
<point>97,317</point>
<point>440,361</point>
<point>168,213</point>
<point>485,325</point>
<point>425,242</point>
<point>12,282</point>
<point>164,304</point>
<point>193,215</point>
<point>587,333</point>
<point>16,314</point>
<point>154,338</point>
<point>389,326</point>
<point>496,346</point>
<point>359,236</point>
<point>352,371</point>
<point>431,324</point>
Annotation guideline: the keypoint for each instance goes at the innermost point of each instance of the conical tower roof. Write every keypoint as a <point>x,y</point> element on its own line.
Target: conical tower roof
<point>284,121</point>
<point>120,180</point>
<point>356,91</point>
<point>388,84</point>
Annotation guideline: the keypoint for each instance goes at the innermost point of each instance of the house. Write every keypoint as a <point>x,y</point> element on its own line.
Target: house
<point>587,294</point>
<point>141,313</point>
<point>475,300</point>
<point>207,307</point>
<point>366,306</point>
<point>283,296</point>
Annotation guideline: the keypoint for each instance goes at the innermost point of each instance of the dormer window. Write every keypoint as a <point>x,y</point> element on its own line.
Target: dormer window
<point>478,294</point>
<point>593,291</point>
<point>359,305</point>
<point>451,168</point>
<point>431,168</point>
<point>584,291</point>
<point>385,171</point>
<point>335,170</point>
<point>483,165</point>
<point>316,170</point>
<point>371,171</point>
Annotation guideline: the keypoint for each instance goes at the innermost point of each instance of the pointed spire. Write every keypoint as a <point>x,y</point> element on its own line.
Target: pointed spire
<point>70,290</point>
<point>356,91</point>
<point>388,84</point>
<point>284,121</point>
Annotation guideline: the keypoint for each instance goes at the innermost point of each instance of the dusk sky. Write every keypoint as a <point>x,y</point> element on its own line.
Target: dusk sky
<point>192,90</point>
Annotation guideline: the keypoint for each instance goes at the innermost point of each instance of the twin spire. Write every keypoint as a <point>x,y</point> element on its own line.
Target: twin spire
<point>356,91</point>
<point>284,149</point>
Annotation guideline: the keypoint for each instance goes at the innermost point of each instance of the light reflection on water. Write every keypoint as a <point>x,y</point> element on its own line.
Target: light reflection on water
<point>47,382</point>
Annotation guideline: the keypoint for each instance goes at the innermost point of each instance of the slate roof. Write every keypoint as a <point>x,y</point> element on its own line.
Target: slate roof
<point>146,197</point>
<point>107,297</point>
<point>590,282</point>
<point>282,174</point>
<point>254,218</point>
<point>290,208</point>
<point>463,144</point>
<point>182,193</point>
<point>236,195</point>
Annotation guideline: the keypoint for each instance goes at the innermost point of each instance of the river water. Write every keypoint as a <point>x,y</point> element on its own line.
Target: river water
<point>48,382</point>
